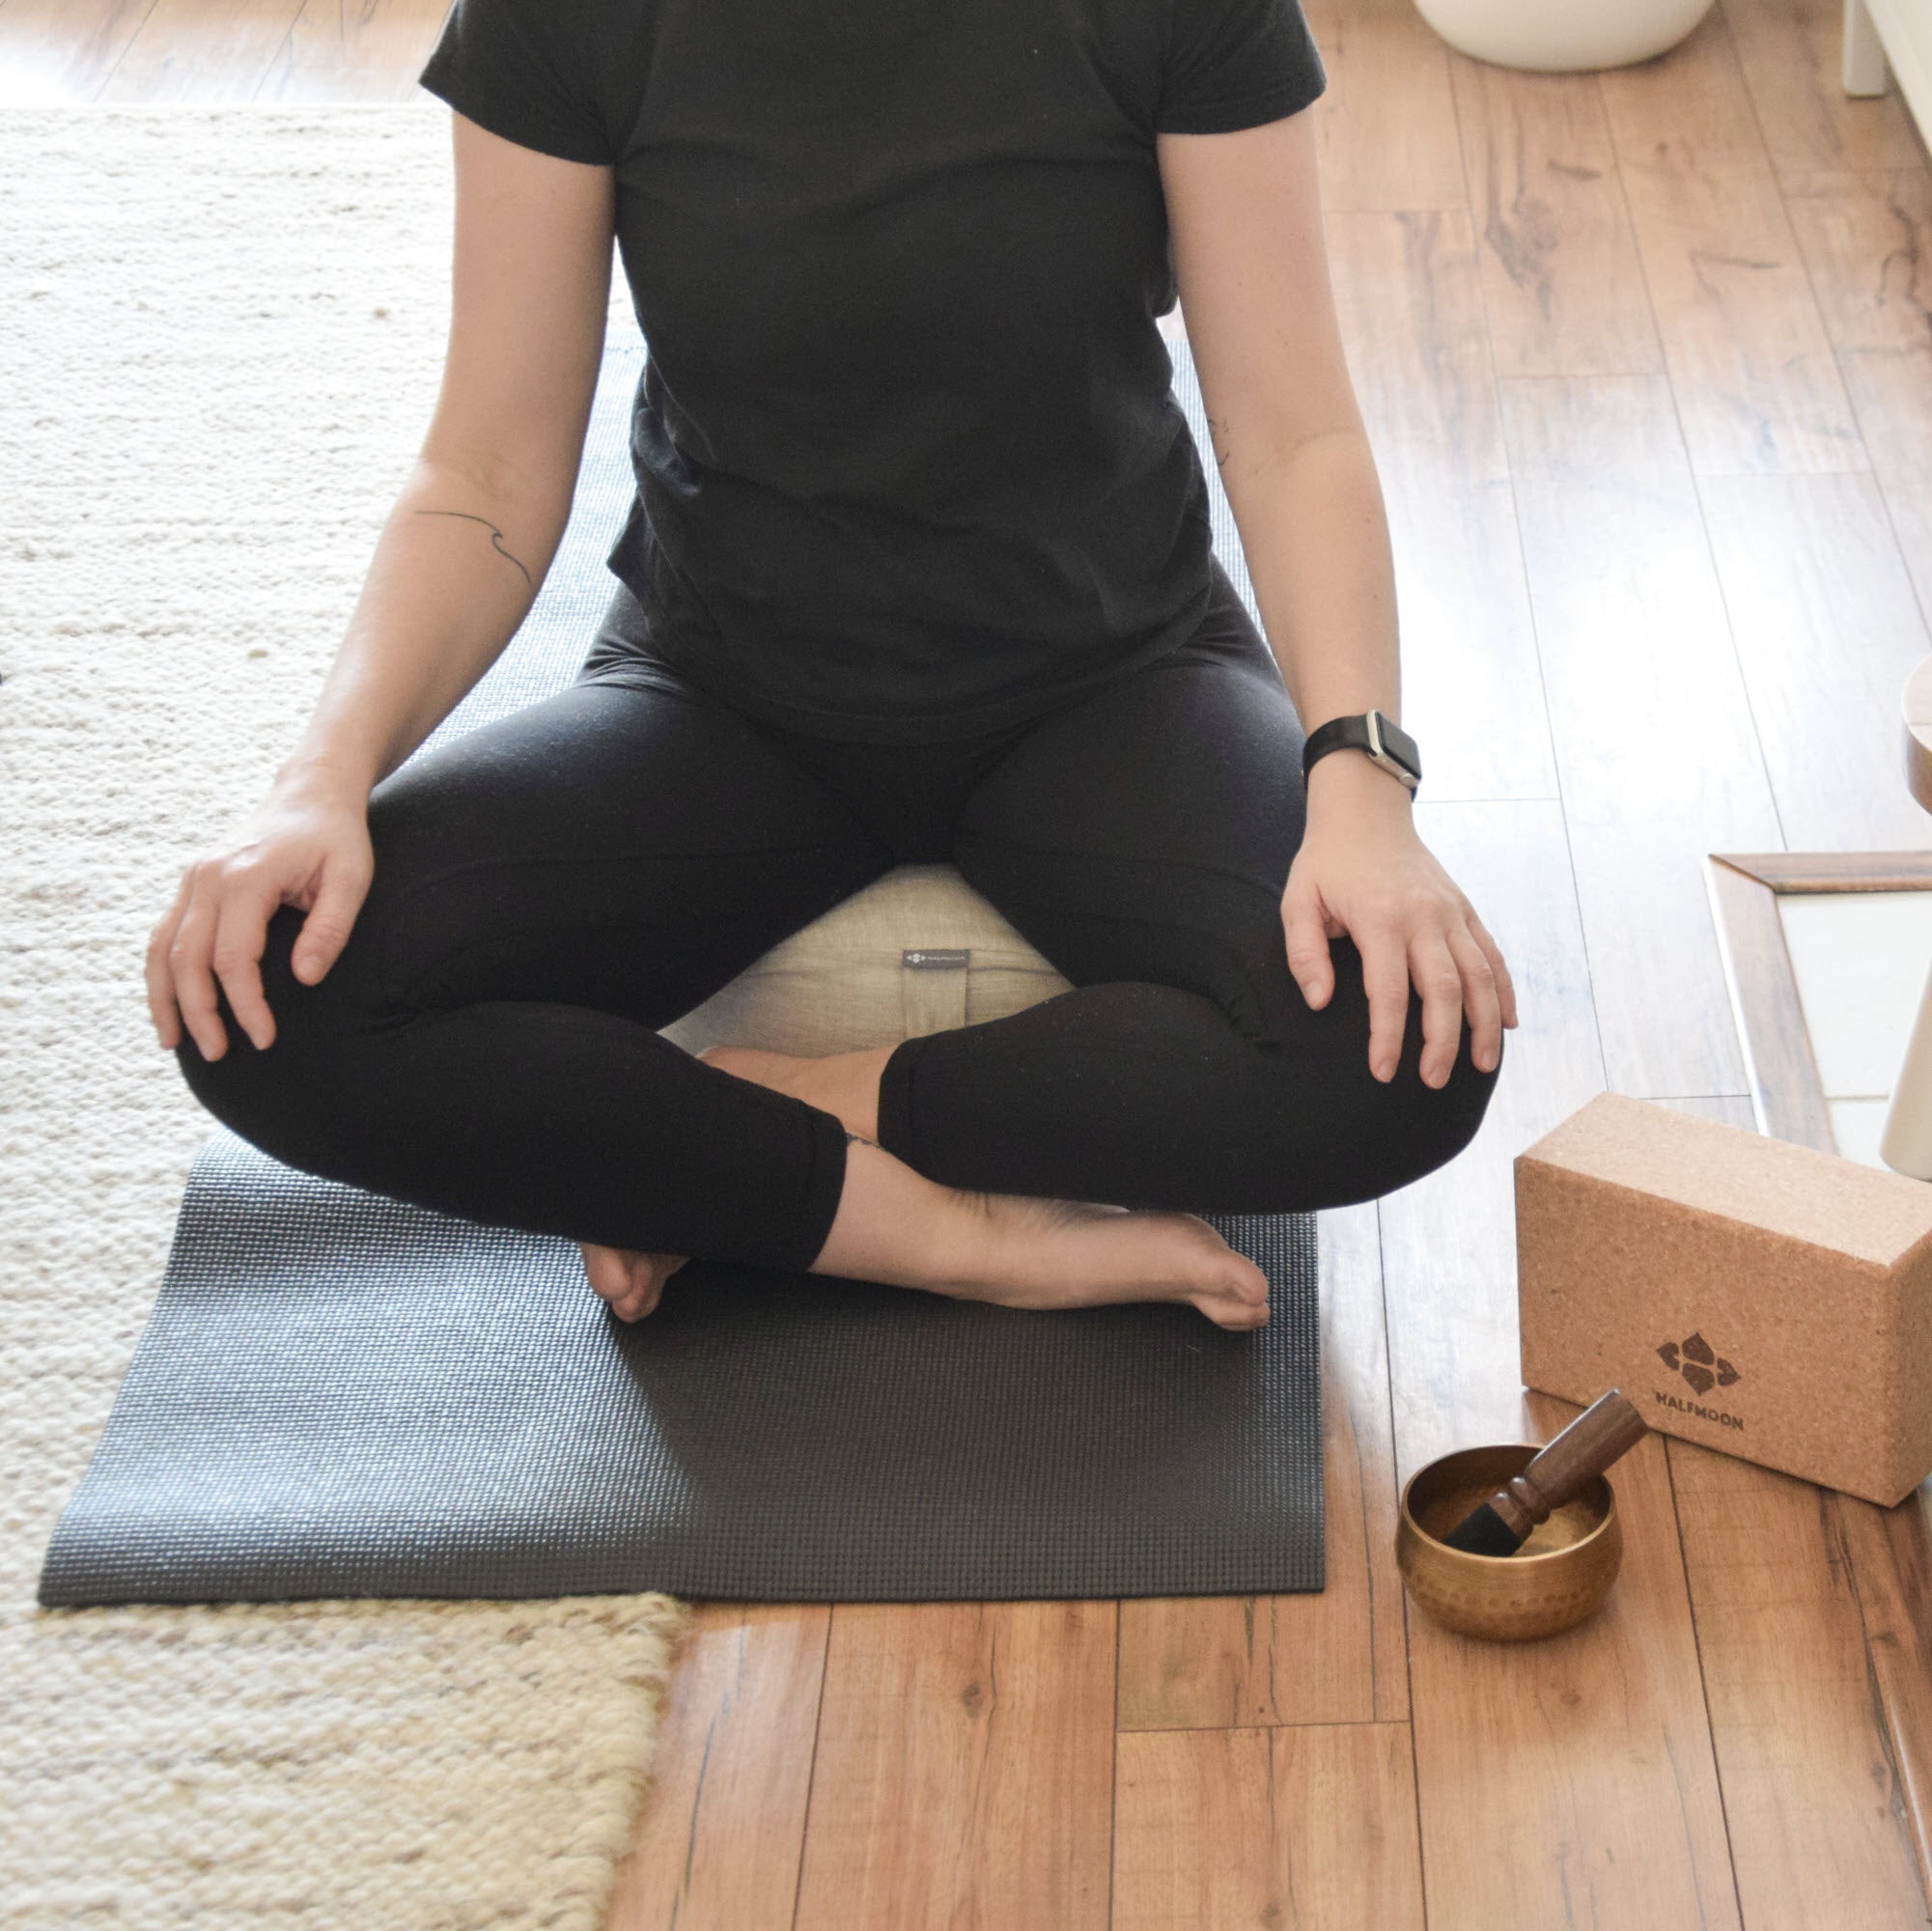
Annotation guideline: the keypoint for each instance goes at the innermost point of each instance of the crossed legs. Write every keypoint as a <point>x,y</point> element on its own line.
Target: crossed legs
<point>553,887</point>
<point>550,890</point>
<point>1141,840</point>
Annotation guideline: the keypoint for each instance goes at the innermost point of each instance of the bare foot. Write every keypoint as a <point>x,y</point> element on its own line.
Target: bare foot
<point>633,1283</point>
<point>1074,1254</point>
<point>895,1225</point>
<point>898,1227</point>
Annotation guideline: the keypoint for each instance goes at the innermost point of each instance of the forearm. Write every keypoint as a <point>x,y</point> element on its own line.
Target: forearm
<point>455,570</point>
<point>1315,535</point>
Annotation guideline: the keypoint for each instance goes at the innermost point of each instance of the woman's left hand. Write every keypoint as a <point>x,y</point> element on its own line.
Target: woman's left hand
<point>1363,870</point>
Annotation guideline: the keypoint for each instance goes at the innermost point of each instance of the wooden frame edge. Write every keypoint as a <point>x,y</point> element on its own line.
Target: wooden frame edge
<point>1787,1097</point>
<point>1888,1552</point>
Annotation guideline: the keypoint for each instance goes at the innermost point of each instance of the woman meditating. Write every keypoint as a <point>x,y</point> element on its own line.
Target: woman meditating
<point>917,569</point>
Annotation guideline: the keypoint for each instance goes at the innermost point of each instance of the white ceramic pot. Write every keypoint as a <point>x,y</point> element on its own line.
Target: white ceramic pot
<point>1562,36</point>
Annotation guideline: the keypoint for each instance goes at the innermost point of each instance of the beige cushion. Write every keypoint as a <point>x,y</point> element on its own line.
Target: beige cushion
<point>916,951</point>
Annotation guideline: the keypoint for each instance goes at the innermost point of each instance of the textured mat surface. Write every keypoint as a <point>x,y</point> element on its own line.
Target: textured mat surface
<point>341,1396</point>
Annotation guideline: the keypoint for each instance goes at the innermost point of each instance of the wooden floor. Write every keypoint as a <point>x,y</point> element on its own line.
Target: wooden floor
<point>1646,357</point>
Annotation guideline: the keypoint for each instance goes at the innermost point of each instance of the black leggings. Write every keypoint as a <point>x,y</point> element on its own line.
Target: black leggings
<point>552,887</point>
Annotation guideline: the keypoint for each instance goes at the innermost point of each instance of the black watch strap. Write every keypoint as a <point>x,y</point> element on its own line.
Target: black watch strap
<point>1375,732</point>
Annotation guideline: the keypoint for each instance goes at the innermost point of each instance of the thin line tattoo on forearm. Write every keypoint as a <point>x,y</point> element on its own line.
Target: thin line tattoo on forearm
<point>1218,436</point>
<point>495,535</point>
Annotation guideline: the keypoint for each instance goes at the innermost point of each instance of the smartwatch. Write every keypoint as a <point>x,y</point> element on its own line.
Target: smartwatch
<point>1386,741</point>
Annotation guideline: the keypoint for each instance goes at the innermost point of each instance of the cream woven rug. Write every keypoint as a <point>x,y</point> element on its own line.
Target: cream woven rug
<point>221,333</point>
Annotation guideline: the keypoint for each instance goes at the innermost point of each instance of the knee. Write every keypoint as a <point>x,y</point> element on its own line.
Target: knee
<point>277,1097</point>
<point>1326,1133</point>
<point>1421,1126</point>
<point>1405,1128</point>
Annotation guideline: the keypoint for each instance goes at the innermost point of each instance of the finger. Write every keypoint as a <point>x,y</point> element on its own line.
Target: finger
<point>194,985</point>
<point>162,1008</point>
<point>241,932</point>
<point>1385,978</point>
<point>1441,985</point>
<point>330,919</point>
<point>1481,999</point>
<point>1308,960</point>
<point>1505,987</point>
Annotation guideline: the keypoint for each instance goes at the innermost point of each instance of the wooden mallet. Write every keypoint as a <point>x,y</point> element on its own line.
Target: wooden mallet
<point>1554,1477</point>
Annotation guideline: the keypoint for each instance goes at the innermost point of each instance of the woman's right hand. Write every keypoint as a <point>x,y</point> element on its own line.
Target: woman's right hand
<point>307,845</point>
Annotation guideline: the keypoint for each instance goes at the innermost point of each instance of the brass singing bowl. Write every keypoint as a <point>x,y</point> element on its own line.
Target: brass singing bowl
<point>1559,1576</point>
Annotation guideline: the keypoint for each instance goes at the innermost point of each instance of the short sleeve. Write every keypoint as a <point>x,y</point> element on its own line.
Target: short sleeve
<point>1235,63</point>
<point>521,68</point>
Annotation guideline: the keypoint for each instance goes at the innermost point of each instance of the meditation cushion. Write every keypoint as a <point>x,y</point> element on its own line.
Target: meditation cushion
<point>916,951</point>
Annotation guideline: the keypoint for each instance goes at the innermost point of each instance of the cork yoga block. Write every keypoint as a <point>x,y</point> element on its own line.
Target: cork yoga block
<point>1749,1295</point>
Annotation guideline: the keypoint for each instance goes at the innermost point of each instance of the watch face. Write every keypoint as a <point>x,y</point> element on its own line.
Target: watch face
<point>1397,742</point>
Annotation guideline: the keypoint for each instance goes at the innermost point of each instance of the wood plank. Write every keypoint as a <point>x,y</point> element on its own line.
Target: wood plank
<point>1890,1554</point>
<point>293,52</point>
<point>1385,126</point>
<point>1688,105</point>
<point>1820,1710</point>
<point>53,52</point>
<point>1356,1342</point>
<point>1867,247</point>
<point>1408,295</point>
<point>1758,388</point>
<point>1560,272</point>
<point>207,51</point>
<point>1448,1239</point>
<point>1655,746</point>
<point>1592,1744</point>
<point>1827,631</point>
<point>369,52</point>
<point>1892,389</point>
<point>1867,244</point>
<point>1886,1552</point>
<point>1310,1828</point>
<point>1586,1756</point>
<point>1820,1831</point>
<point>965,1770</point>
<point>1757,384</point>
<point>1332,1656</point>
<point>722,1829</point>
<point>1788,53</point>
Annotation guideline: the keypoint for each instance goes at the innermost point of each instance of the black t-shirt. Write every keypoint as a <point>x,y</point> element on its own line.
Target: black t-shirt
<point>907,461</point>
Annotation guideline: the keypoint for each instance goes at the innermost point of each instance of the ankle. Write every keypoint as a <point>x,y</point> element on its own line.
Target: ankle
<point>895,1225</point>
<point>844,1084</point>
<point>847,1084</point>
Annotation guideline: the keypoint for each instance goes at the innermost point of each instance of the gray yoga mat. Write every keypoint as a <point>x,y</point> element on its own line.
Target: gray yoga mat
<point>339,1394</point>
